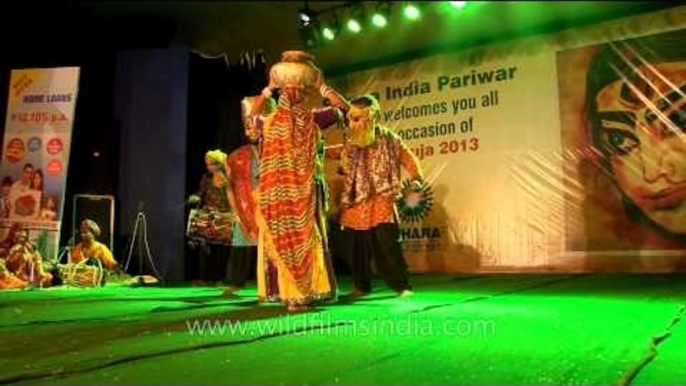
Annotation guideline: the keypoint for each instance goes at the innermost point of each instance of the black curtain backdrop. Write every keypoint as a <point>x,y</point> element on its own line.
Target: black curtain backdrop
<point>91,43</point>
<point>215,89</point>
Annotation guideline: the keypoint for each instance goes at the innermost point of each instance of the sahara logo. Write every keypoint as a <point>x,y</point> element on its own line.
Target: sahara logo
<point>416,201</point>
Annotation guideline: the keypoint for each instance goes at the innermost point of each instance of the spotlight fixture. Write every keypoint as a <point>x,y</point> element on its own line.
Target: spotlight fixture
<point>411,12</point>
<point>305,16</point>
<point>321,26</point>
<point>309,27</point>
<point>458,4</point>
<point>331,29</point>
<point>310,34</point>
<point>328,33</point>
<point>356,19</point>
<point>382,14</point>
<point>379,20</point>
<point>354,26</point>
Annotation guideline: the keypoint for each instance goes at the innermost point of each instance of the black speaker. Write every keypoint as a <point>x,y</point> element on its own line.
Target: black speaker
<point>99,209</point>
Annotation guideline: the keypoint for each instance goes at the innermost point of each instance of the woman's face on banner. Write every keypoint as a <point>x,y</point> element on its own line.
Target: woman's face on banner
<point>37,181</point>
<point>643,129</point>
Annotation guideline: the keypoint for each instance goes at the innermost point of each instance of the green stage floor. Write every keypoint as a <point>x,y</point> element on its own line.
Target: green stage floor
<point>517,329</point>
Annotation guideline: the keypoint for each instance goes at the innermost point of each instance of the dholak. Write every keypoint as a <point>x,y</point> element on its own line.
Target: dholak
<point>210,227</point>
<point>82,275</point>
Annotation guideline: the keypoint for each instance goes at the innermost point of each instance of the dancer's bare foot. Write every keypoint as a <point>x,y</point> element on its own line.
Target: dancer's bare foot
<point>406,293</point>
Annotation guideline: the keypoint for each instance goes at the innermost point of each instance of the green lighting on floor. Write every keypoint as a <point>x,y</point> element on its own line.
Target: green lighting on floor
<point>458,4</point>
<point>328,33</point>
<point>411,12</point>
<point>354,26</point>
<point>584,328</point>
<point>379,20</point>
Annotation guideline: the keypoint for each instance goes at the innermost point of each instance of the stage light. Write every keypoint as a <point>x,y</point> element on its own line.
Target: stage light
<point>305,16</point>
<point>411,12</point>
<point>331,28</point>
<point>309,27</point>
<point>328,33</point>
<point>354,26</point>
<point>304,19</point>
<point>309,34</point>
<point>458,4</point>
<point>356,17</point>
<point>382,14</point>
<point>379,20</point>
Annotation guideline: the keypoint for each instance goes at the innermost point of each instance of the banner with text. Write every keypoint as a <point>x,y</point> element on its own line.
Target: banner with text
<point>541,156</point>
<point>37,141</point>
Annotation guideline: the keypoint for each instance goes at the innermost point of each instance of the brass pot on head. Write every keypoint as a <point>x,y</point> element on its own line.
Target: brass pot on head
<point>295,74</point>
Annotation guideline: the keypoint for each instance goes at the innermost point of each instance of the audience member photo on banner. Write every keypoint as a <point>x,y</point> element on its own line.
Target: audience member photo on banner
<point>633,168</point>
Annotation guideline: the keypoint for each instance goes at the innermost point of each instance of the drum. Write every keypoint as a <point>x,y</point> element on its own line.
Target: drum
<point>82,275</point>
<point>210,227</point>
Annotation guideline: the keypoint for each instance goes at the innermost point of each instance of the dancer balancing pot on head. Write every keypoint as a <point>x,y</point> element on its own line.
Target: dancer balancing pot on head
<point>294,266</point>
<point>371,160</point>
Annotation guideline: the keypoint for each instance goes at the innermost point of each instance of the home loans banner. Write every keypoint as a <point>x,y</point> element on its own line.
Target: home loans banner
<point>37,140</point>
<point>564,152</point>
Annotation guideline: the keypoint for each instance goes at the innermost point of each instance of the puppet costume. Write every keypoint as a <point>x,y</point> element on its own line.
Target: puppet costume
<point>371,160</point>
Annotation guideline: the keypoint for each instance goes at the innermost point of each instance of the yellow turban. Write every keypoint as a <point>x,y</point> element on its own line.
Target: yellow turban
<point>217,156</point>
<point>90,226</point>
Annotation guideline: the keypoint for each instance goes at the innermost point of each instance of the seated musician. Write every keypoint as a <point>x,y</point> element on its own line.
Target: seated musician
<point>91,249</point>
<point>24,262</point>
<point>9,280</point>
